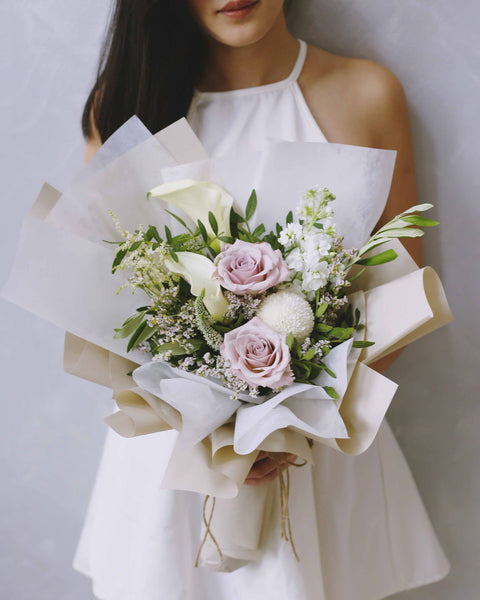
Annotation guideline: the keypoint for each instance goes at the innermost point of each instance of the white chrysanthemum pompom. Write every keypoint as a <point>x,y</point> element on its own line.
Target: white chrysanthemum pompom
<point>287,312</point>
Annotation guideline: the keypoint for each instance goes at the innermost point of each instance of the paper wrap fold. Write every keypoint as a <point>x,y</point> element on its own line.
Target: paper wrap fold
<point>68,283</point>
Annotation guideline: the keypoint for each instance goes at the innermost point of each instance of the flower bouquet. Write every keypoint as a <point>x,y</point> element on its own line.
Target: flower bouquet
<point>241,335</point>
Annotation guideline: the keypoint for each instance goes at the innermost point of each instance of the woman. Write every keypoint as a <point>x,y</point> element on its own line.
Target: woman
<point>240,77</point>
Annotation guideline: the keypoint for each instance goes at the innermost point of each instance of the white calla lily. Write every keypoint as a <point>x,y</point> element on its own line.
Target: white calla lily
<point>197,199</point>
<point>197,270</point>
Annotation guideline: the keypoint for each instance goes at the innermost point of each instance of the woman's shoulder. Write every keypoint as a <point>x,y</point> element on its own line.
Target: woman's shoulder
<point>354,100</point>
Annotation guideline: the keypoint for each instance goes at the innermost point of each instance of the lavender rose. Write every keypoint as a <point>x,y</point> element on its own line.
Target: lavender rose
<point>258,355</point>
<point>247,268</point>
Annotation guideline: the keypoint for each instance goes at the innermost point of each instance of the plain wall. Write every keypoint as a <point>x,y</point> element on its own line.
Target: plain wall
<point>51,427</point>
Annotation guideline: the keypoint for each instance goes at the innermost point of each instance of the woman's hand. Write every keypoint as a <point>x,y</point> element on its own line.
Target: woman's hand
<point>264,468</point>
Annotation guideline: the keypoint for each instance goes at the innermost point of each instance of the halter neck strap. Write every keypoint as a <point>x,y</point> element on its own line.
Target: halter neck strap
<point>297,68</point>
<point>294,74</point>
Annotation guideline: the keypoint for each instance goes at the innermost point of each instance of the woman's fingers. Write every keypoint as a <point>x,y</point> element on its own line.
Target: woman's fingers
<point>265,479</point>
<point>261,468</point>
<point>265,469</point>
<point>261,454</point>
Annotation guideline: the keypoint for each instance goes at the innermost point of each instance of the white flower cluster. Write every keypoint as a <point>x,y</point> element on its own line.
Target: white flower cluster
<point>311,244</point>
<point>287,312</point>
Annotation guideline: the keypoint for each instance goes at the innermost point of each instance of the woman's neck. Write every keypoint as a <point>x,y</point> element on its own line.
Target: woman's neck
<point>268,60</point>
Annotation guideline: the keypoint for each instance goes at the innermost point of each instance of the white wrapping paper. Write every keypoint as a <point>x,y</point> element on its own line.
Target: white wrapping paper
<point>68,282</point>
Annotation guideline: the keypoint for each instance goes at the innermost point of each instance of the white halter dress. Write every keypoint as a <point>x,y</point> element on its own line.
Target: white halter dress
<point>359,524</point>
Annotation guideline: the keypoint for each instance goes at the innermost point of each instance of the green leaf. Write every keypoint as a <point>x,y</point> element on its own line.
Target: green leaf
<point>357,316</point>
<point>331,392</point>
<point>212,252</point>
<point>227,239</point>
<point>152,232</point>
<point>323,327</point>
<point>302,370</point>
<point>173,254</point>
<point>180,239</point>
<point>327,370</point>
<point>290,339</point>
<point>168,234</point>
<point>401,232</point>
<point>296,348</point>
<point>341,333</point>
<point>362,344</point>
<point>315,370</point>
<point>289,218</point>
<point>181,221</point>
<point>396,223</point>
<point>420,221</point>
<point>132,343</point>
<point>251,206</point>
<point>213,222</point>
<point>203,231</point>
<point>146,334</point>
<point>309,354</point>
<point>259,230</point>
<point>235,217</point>
<point>177,349</point>
<point>241,319</point>
<point>119,256</point>
<point>378,259</point>
<point>357,275</point>
<point>370,245</point>
<point>348,318</point>
<point>242,234</point>
<point>135,245</point>
<point>417,208</point>
<point>321,308</point>
<point>129,326</point>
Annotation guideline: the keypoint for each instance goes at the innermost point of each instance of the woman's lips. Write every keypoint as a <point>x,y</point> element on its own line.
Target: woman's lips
<point>238,8</point>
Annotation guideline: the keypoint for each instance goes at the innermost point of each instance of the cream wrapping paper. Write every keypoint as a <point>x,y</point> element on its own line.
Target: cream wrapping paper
<point>212,454</point>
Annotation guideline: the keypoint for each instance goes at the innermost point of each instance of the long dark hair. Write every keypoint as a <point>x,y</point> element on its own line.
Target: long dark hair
<point>152,56</point>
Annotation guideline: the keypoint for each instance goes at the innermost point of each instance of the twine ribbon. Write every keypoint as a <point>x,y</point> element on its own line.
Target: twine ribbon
<point>284,483</point>
<point>208,531</point>
<point>280,460</point>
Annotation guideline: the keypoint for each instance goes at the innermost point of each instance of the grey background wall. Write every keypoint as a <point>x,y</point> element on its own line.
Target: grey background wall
<point>51,429</point>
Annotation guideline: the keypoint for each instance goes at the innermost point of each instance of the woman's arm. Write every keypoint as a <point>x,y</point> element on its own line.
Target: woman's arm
<point>391,130</point>
<point>359,102</point>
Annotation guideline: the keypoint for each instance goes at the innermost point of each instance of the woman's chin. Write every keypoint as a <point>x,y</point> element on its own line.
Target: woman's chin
<point>239,36</point>
<point>241,27</point>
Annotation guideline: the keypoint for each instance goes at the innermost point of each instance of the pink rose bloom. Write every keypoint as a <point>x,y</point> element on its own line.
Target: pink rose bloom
<point>258,355</point>
<point>247,268</point>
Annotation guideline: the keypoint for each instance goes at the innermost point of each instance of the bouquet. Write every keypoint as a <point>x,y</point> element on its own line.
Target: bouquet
<point>244,334</point>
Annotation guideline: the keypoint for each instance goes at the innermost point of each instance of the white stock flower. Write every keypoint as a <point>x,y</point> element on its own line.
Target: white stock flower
<point>287,312</point>
<point>314,280</point>
<point>291,235</point>
<point>316,246</point>
<point>295,260</point>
